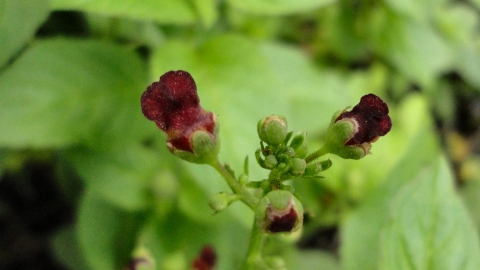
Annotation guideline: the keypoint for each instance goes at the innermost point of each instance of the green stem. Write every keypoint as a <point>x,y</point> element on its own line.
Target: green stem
<point>236,187</point>
<point>320,152</point>
<point>254,255</point>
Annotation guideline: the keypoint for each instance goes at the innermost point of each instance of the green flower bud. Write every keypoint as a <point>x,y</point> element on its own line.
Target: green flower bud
<point>270,162</point>
<point>272,129</point>
<point>297,166</point>
<point>299,144</point>
<point>222,200</point>
<point>279,211</point>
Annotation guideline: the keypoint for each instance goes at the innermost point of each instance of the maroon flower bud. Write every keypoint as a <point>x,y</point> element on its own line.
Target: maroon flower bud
<point>206,260</point>
<point>371,120</point>
<point>173,104</point>
<point>351,133</point>
<point>279,211</point>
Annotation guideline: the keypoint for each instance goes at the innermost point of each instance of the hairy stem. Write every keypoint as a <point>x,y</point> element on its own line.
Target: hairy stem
<point>236,187</point>
<point>320,152</point>
<point>253,260</point>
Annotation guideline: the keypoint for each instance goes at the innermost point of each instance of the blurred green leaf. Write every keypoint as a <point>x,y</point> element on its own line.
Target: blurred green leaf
<point>162,11</point>
<point>106,233</point>
<point>314,260</point>
<point>121,175</point>
<point>416,10</point>
<point>470,190</point>
<point>68,251</point>
<point>415,48</point>
<point>278,7</point>
<point>361,230</point>
<point>428,226</point>
<point>178,240</point>
<point>207,10</point>
<point>62,92</point>
<point>19,19</point>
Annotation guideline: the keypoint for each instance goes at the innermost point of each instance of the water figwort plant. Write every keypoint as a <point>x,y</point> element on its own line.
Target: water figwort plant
<point>193,135</point>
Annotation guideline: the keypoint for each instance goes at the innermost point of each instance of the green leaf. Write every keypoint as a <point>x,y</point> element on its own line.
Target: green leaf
<point>428,226</point>
<point>361,230</point>
<point>415,48</point>
<point>207,10</point>
<point>418,10</point>
<point>121,175</point>
<point>106,233</point>
<point>19,19</point>
<point>61,92</point>
<point>314,260</point>
<point>278,7</point>
<point>162,11</point>
<point>67,250</point>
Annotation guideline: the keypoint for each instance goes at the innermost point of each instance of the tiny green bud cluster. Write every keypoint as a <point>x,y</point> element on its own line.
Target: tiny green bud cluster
<point>283,154</point>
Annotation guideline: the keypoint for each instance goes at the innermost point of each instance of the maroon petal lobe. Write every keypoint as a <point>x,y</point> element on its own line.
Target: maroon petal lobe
<point>175,93</point>
<point>371,116</point>
<point>283,223</point>
<point>182,88</point>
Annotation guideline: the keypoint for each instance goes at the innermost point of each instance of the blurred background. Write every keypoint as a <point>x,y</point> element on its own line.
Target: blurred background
<point>86,181</point>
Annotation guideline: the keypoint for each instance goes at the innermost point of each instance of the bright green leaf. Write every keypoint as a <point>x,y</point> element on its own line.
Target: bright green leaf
<point>417,10</point>
<point>162,11</point>
<point>428,226</point>
<point>278,7</point>
<point>61,92</point>
<point>19,19</point>
<point>207,10</point>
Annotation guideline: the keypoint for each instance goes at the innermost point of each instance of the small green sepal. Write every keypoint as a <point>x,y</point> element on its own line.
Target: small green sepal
<point>205,148</point>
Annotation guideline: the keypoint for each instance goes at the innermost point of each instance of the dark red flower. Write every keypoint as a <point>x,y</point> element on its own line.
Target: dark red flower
<point>371,119</point>
<point>206,260</point>
<point>173,104</point>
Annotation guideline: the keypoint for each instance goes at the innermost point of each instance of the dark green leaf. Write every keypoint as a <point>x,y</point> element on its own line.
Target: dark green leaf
<point>19,19</point>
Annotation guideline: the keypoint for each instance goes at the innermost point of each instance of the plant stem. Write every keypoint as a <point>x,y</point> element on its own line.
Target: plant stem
<point>236,187</point>
<point>320,152</point>
<point>254,256</point>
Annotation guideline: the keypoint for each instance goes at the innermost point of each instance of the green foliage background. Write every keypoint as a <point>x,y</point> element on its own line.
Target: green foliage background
<point>76,98</point>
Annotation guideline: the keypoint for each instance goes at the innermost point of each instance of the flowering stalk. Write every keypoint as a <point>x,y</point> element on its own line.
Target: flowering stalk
<point>192,135</point>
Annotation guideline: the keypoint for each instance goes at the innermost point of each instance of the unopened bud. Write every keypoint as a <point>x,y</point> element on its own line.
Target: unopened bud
<point>297,166</point>
<point>270,161</point>
<point>272,129</point>
<point>222,200</point>
<point>279,211</point>
<point>299,144</point>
